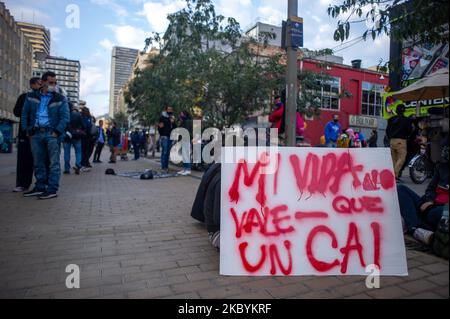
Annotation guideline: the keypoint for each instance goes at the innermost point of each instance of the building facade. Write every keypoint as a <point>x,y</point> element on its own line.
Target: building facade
<point>257,30</point>
<point>67,73</point>
<point>38,36</point>
<point>122,64</point>
<point>355,94</point>
<point>15,72</point>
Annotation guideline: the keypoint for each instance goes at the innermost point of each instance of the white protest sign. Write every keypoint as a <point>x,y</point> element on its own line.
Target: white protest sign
<point>309,211</point>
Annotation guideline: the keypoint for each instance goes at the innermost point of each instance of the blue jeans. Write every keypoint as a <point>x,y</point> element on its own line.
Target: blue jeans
<point>67,146</point>
<point>331,144</point>
<point>43,144</point>
<point>410,204</point>
<point>166,144</point>
<point>186,152</point>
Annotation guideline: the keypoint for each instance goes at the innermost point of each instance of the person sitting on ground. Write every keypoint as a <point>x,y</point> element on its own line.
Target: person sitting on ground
<point>206,207</point>
<point>422,214</point>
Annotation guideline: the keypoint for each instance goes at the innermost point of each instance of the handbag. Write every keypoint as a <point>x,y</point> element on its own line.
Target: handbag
<point>77,133</point>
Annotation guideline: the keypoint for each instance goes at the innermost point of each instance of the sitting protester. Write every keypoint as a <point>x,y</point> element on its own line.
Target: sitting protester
<point>206,207</point>
<point>422,214</point>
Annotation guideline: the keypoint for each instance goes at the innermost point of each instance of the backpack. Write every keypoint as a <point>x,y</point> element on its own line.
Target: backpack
<point>440,242</point>
<point>93,131</point>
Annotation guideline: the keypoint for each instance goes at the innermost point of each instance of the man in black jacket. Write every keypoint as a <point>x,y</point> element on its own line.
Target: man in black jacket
<point>24,171</point>
<point>165,127</point>
<point>398,131</point>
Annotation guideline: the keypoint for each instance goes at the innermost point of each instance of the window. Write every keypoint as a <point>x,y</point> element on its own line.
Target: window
<point>371,99</point>
<point>330,94</point>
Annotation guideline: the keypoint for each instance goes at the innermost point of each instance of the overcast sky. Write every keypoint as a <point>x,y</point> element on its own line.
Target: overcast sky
<point>105,23</point>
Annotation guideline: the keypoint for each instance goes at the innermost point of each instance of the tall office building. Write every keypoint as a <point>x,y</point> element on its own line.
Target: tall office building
<point>15,73</point>
<point>67,73</point>
<point>122,64</point>
<point>38,36</point>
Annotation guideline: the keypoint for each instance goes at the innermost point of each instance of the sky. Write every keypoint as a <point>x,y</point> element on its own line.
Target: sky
<point>107,23</point>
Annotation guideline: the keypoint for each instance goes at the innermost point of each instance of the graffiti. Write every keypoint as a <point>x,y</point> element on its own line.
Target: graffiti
<point>339,228</point>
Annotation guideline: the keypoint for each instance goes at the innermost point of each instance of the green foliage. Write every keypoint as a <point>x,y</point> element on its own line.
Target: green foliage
<point>422,21</point>
<point>204,62</point>
<point>121,119</point>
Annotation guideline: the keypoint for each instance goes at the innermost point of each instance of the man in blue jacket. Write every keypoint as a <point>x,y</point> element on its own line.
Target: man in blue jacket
<point>332,131</point>
<point>44,119</point>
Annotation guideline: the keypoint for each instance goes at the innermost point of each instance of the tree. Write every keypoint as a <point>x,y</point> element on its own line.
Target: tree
<point>421,21</point>
<point>204,61</point>
<point>121,120</point>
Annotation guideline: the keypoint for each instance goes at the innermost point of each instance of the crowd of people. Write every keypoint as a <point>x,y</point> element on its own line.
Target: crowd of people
<point>47,121</point>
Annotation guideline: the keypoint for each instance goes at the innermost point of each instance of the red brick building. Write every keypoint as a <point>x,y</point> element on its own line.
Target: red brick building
<point>363,109</point>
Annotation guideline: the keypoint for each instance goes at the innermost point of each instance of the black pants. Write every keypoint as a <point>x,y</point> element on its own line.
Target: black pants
<point>136,151</point>
<point>85,151</point>
<point>24,173</point>
<point>98,151</point>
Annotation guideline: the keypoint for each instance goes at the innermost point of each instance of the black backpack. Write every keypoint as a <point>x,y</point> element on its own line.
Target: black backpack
<point>440,242</point>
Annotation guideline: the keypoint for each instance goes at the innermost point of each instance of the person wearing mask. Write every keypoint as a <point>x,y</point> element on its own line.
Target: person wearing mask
<point>100,142</point>
<point>135,141</point>
<point>332,130</point>
<point>44,119</point>
<point>398,130</point>
<point>373,140</point>
<point>165,127</point>
<point>75,132</point>
<point>186,122</point>
<point>24,172</point>
<point>421,215</point>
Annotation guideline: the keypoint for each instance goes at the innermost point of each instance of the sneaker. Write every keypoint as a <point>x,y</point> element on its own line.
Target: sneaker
<point>423,236</point>
<point>165,171</point>
<point>85,169</point>
<point>184,172</point>
<point>47,195</point>
<point>66,172</point>
<point>77,170</point>
<point>19,189</point>
<point>214,238</point>
<point>34,192</point>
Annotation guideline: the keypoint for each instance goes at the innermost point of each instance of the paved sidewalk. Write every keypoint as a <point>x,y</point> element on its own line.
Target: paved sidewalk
<point>136,239</point>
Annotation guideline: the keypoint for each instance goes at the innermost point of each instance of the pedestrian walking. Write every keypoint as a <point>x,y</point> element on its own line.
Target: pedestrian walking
<point>113,142</point>
<point>75,132</point>
<point>87,140</point>
<point>24,171</point>
<point>398,130</point>
<point>165,127</point>
<point>101,139</point>
<point>44,118</point>
<point>135,141</point>
<point>332,130</point>
<point>186,123</point>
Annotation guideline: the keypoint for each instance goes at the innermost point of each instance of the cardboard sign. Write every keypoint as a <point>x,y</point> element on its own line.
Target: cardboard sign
<point>309,211</point>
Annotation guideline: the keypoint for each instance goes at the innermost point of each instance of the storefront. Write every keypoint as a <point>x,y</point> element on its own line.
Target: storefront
<point>362,106</point>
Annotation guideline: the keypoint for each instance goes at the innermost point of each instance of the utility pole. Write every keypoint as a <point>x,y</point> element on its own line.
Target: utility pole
<point>291,78</point>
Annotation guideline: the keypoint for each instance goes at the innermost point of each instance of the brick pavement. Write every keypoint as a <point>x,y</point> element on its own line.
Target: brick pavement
<point>135,239</point>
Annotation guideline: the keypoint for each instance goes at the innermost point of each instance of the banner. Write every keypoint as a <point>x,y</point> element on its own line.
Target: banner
<point>309,211</point>
<point>390,105</point>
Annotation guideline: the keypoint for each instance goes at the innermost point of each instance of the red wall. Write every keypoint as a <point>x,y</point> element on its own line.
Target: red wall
<point>351,80</point>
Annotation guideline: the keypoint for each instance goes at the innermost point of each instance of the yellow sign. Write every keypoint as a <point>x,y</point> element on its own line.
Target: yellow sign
<point>390,104</point>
